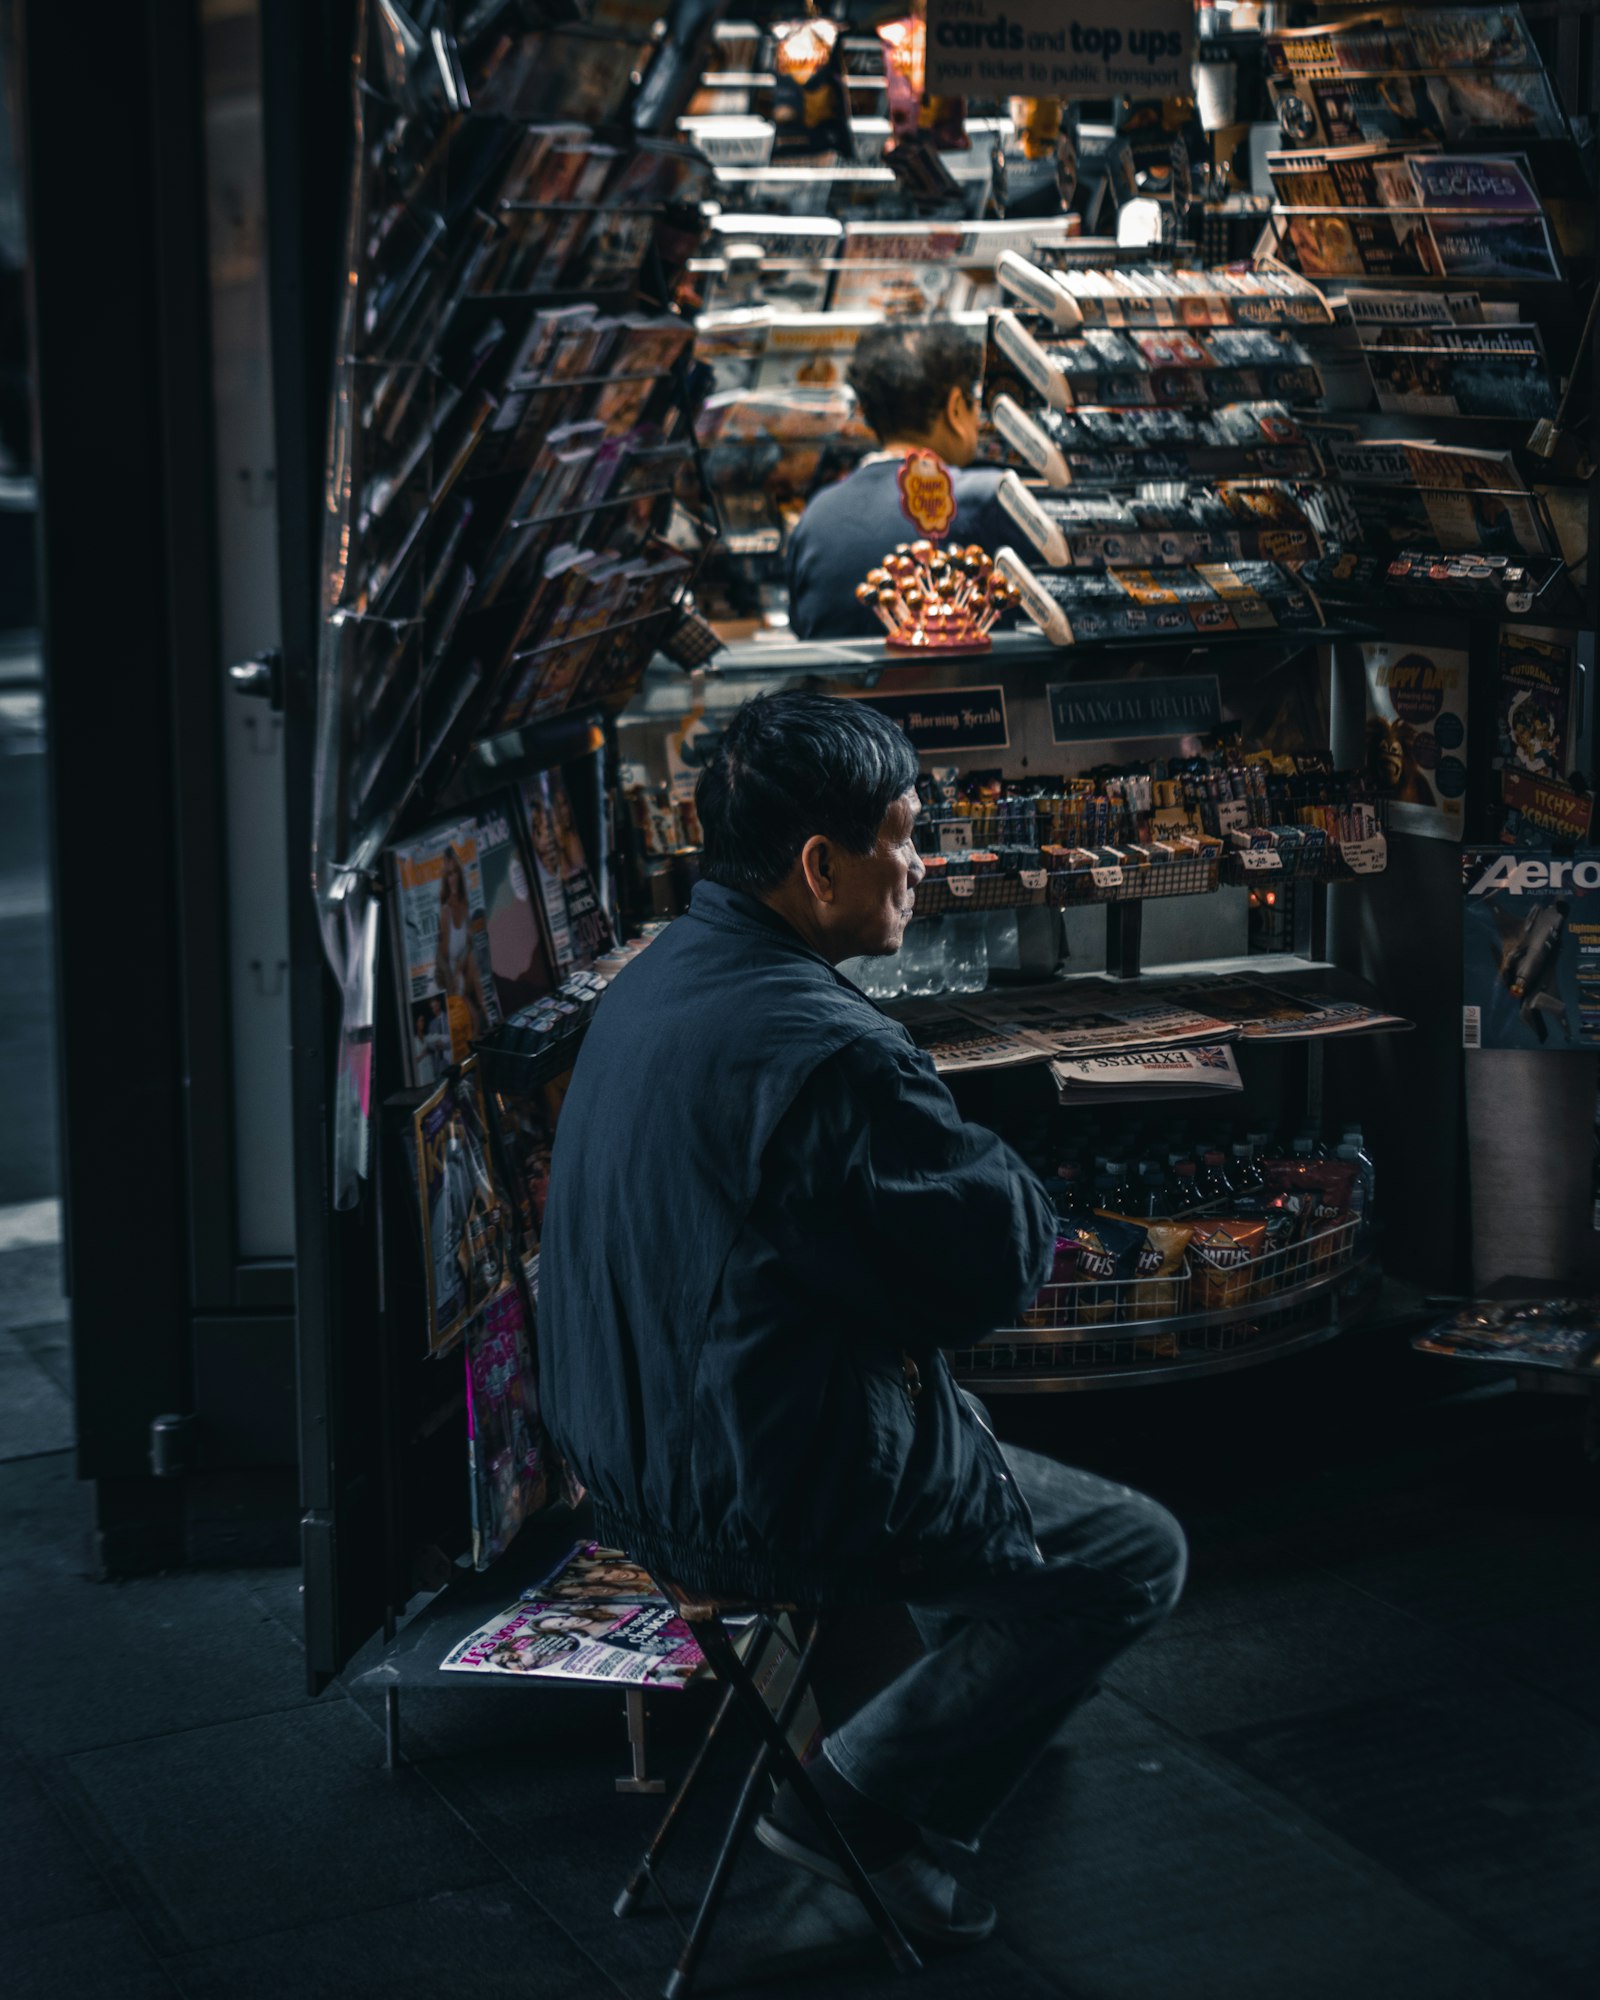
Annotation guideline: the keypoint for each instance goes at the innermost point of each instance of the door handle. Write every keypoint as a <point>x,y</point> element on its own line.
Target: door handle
<point>260,676</point>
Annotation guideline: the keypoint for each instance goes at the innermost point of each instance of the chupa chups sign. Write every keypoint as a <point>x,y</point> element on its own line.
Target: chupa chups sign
<point>1060,48</point>
<point>927,492</point>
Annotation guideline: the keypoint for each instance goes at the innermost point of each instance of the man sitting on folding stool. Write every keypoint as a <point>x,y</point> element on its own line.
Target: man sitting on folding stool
<point>766,1218</point>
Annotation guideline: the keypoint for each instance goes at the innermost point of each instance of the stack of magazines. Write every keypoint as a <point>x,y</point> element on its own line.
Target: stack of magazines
<point>1526,1333</point>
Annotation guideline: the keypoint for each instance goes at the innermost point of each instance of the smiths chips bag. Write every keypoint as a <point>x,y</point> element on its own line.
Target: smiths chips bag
<point>1108,1259</point>
<point>810,101</point>
<point>1224,1251</point>
<point>1158,1292</point>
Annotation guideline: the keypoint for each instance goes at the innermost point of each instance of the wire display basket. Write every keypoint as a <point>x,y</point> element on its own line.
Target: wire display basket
<point>1186,875</point>
<point>1143,1352</point>
<point>1196,1293</point>
<point>947,895</point>
<point>1319,864</point>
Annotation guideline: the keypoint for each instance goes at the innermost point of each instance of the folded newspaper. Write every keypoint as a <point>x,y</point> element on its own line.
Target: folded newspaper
<point>1147,1074</point>
<point>955,1040</point>
<point>1084,1019</point>
<point>1267,1014</point>
<point>1098,1018</point>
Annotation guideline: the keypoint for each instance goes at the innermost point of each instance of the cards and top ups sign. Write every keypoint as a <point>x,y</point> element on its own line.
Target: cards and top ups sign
<point>1060,48</point>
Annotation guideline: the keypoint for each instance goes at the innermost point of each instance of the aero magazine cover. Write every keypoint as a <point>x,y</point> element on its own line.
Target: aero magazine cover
<point>1530,949</point>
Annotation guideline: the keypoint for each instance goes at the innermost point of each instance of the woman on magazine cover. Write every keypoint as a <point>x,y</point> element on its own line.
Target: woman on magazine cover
<point>455,962</point>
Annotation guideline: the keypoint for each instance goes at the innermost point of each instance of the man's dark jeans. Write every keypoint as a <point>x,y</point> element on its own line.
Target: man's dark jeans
<point>1007,1661</point>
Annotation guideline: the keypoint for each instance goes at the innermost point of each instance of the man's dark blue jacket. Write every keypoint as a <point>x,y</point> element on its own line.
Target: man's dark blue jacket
<point>762,1198</point>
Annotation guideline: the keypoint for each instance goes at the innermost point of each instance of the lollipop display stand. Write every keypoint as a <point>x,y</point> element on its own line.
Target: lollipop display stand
<point>933,600</point>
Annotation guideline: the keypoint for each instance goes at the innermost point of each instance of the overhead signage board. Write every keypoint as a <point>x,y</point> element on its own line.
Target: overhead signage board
<point>1113,711</point>
<point>1060,48</point>
<point>938,719</point>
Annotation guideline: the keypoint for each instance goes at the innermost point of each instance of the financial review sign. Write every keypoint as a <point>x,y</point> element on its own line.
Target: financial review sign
<point>1060,48</point>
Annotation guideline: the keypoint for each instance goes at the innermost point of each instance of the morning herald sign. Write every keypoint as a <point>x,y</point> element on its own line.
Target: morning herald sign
<point>1060,48</point>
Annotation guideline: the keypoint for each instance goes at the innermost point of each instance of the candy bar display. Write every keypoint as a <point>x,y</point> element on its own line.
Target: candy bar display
<point>1110,447</point>
<point>1209,599</point>
<point>1162,523</point>
<point>1137,367</point>
<point>1072,297</point>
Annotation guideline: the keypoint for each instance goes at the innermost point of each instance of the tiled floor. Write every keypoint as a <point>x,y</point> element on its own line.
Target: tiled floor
<point>1361,1764</point>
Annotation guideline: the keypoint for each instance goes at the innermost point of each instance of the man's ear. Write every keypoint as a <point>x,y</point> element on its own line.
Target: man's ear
<point>816,865</point>
<point>953,405</point>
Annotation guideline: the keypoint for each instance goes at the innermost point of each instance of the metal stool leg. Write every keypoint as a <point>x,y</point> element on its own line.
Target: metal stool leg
<point>774,1730</point>
<point>681,1977</point>
<point>718,1648</point>
<point>644,1874</point>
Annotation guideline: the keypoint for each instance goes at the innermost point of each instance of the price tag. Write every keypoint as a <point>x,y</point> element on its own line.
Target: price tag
<point>1232,814</point>
<point>1366,857</point>
<point>1106,878</point>
<point>1033,878</point>
<point>961,885</point>
<point>1260,860</point>
<point>955,836</point>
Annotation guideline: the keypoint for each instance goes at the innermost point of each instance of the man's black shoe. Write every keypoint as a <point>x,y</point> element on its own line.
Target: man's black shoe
<point>925,1899</point>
